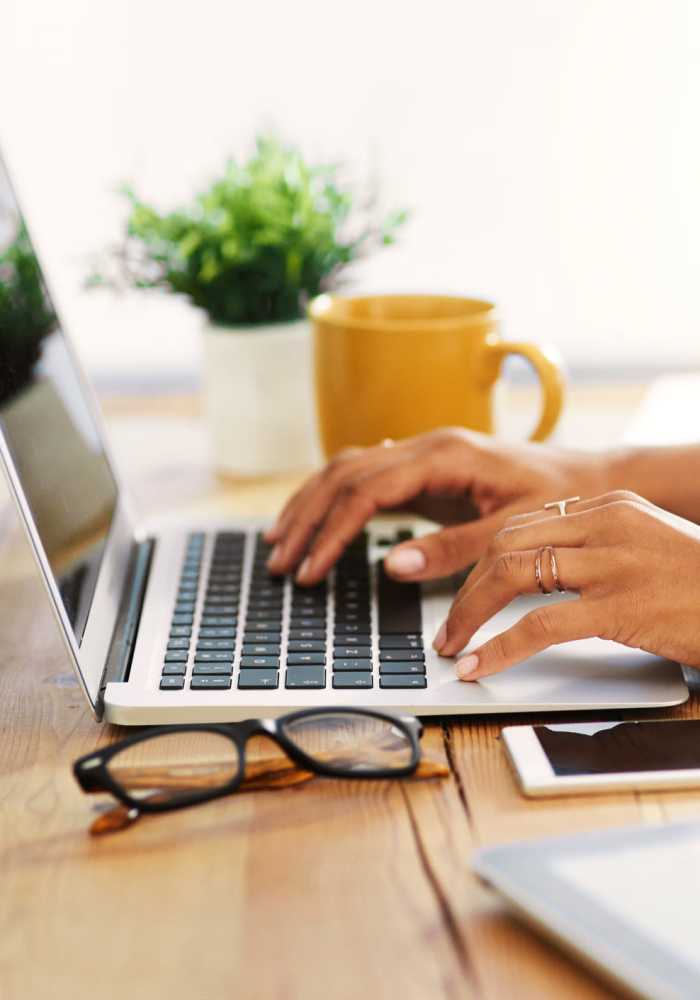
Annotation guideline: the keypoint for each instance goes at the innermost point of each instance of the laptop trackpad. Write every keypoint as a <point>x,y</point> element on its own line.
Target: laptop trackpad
<point>596,671</point>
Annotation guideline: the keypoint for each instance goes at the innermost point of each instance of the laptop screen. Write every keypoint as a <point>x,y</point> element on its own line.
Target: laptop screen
<point>47,422</point>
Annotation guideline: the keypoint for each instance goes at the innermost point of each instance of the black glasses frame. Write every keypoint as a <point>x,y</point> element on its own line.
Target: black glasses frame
<point>92,771</point>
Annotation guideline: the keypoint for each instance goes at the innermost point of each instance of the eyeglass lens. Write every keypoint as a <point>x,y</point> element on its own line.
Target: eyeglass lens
<point>171,767</point>
<point>350,742</point>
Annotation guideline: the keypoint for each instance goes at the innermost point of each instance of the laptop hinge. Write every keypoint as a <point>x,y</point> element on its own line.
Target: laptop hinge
<point>121,649</point>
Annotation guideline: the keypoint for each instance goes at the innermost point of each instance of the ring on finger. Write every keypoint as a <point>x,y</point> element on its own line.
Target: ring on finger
<point>553,567</point>
<point>387,443</point>
<point>561,504</point>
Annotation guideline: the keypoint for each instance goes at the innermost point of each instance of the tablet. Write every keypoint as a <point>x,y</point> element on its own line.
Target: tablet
<point>584,757</point>
<point>627,901</point>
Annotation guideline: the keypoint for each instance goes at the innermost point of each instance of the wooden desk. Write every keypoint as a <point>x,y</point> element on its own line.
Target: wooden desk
<point>333,890</point>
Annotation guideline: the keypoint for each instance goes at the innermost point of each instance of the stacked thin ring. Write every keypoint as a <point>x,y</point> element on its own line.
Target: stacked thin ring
<point>554,568</point>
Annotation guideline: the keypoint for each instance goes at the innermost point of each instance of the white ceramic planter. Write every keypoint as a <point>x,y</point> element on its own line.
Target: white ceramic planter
<point>259,397</point>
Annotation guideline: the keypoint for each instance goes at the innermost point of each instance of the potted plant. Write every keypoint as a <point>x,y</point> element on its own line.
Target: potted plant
<point>251,250</point>
<point>26,317</point>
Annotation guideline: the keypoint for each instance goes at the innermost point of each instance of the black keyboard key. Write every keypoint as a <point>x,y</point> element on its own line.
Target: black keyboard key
<point>346,665</point>
<point>259,661</point>
<point>178,643</point>
<point>212,669</point>
<point>264,614</point>
<point>401,668</point>
<point>213,656</point>
<point>305,677</point>
<point>207,683</point>
<point>179,631</point>
<point>260,649</point>
<point>172,683</point>
<point>353,618</point>
<point>265,593</point>
<point>268,604</point>
<point>351,628</point>
<point>301,659</point>
<point>204,644</point>
<point>222,590</point>
<point>258,679</point>
<point>183,619</point>
<point>402,681</point>
<point>303,622</point>
<point>223,607</point>
<point>352,652</point>
<point>404,655</point>
<point>219,621</point>
<point>260,625</point>
<point>352,680</point>
<point>306,634</point>
<point>217,632</point>
<point>309,605</point>
<point>412,641</point>
<point>399,605</point>
<point>184,607</point>
<point>353,640</point>
<point>177,656</point>
<point>266,637</point>
<point>306,646</point>
<point>174,669</point>
<point>187,594</point>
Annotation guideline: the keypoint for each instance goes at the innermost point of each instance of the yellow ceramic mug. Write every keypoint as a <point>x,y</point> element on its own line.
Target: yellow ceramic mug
<point>397,365</point>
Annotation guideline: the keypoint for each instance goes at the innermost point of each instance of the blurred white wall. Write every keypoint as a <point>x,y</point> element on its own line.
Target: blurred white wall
<point>550,149</point>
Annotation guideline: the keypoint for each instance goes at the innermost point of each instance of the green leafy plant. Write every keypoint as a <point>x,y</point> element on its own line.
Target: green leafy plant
<point>26,316</point>
<point>258,243</point>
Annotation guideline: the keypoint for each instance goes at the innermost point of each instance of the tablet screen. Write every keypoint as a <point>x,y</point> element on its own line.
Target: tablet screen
<point>621,747</point>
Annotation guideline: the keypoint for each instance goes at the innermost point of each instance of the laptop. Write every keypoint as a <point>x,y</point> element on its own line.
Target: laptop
<point>183,623</point>
<point>625,902</point>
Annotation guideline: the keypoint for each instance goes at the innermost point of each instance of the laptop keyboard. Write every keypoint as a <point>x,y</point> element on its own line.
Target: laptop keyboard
<point>262,632</point>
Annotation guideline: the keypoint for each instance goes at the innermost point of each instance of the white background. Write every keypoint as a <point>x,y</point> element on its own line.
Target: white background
<point>550,150</point>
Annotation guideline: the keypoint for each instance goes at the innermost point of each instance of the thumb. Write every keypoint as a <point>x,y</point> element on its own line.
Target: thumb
<point>443,552</point>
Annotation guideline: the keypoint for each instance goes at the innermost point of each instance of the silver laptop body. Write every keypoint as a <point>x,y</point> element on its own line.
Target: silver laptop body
<point>136,606</point>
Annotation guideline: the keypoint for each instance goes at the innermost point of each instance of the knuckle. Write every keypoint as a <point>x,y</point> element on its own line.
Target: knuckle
<point>349,491</point>
<point>508,565</point>
<point>449,546</point>
<point>498,648</point>
<point>541,624</point>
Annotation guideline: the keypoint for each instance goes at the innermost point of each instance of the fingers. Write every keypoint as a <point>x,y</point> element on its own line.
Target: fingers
<point>443,552</point>
<point>579,506</point>
<point>307,509</point>
<point>544,627</point>
<point>507,577</point>
<point>354,503</point>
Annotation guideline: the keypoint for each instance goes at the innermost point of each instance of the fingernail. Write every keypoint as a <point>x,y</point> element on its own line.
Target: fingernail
<point>405,562</point>
<point>467,666</point>
<point>274,556</point>
<point>440,637</point>
<point>304,570</point>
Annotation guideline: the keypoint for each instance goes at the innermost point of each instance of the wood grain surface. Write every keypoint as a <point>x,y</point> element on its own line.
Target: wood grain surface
<point>331,889</point>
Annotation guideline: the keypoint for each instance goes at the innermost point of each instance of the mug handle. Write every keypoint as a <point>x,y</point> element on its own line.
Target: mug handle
<point>547,363</point>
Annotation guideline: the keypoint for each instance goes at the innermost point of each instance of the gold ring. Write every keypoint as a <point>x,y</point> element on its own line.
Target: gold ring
<point>561,504</point>
<point>538,572</point>
<point>554,568</point>
<point>387,443</point>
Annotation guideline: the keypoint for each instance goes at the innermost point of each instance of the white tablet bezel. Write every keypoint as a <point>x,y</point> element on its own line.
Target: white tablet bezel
<point>527,876</point>
<point>537,777</point>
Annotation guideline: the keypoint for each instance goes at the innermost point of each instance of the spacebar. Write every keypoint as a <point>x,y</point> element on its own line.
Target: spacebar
<point>399,605</point>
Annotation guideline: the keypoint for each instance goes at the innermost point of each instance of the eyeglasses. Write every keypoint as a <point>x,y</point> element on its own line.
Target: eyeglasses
<point>172,767</point>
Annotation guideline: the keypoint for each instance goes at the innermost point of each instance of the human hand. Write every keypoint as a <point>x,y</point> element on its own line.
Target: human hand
<point>635,566</point>
<point>448,475</point>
